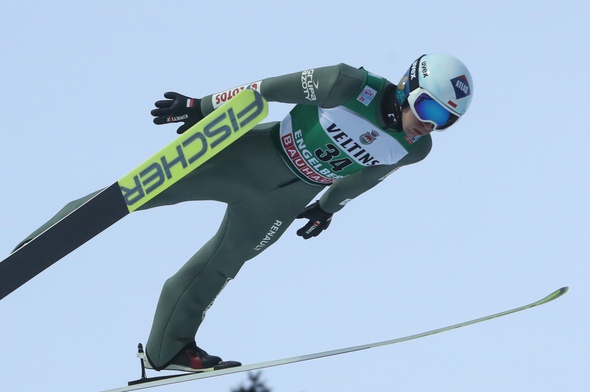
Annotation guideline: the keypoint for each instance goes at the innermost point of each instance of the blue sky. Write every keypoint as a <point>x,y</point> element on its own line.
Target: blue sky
<point>495,217</point>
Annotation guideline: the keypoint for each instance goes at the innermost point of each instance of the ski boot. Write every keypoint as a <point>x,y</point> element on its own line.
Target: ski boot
<point>190,359</point>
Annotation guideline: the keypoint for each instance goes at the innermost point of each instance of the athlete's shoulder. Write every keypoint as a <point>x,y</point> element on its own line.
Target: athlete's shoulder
<point>420,150</point>
<point>338,83</point>
<point>350,71</point>
<point>358,73</point>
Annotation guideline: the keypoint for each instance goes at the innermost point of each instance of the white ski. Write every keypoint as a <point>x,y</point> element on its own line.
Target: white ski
<point>165,380</point>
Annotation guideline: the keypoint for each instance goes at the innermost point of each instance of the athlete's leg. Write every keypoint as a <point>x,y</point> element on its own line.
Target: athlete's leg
<point>249,227</point>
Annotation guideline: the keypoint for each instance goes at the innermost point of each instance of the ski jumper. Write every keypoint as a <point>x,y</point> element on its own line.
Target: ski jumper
<point>335,137</point>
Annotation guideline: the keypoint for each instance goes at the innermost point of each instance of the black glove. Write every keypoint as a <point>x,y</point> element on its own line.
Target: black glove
<point>178,108</point>
<point>319,220</point>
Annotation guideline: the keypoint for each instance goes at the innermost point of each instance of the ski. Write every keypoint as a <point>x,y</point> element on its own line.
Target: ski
<point>146,382</point>
<point>194,147</point>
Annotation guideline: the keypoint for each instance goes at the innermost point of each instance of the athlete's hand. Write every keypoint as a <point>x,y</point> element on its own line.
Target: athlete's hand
<point>178,108</point>
<point>319,220</point>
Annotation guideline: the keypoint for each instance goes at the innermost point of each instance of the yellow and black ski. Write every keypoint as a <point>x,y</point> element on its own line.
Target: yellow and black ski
<point>190,150</point>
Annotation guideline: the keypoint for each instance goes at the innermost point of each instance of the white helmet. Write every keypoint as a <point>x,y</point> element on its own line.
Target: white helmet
<point>438,88</point>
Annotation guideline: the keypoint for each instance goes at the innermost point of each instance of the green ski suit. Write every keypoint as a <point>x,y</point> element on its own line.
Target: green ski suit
<point>269,175</point>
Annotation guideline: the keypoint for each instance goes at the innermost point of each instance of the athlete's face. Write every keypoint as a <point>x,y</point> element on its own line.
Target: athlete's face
<point>413,126</point>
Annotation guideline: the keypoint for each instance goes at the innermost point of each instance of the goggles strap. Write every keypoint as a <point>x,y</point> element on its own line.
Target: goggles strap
<point>390,109</point>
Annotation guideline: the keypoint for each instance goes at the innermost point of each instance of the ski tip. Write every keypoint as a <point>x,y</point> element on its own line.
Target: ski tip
<point>561,291</point>
<point>554,295</point>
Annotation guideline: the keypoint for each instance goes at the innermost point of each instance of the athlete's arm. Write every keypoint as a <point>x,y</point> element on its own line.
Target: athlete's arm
<point>350,187</point>
<point>345,189</point>
<point>326,87</point>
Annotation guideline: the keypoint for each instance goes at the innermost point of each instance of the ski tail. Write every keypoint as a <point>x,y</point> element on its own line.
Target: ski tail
<point>72,231</point>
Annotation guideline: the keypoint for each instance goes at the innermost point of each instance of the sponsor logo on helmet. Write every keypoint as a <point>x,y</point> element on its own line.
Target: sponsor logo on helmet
<point>461,86</point>
<point>424,68</point>
<point>413,70</point>
<point>369,137</point>
<point>414,80</point>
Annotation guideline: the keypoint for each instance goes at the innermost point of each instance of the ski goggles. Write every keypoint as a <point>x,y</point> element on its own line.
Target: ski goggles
<point>429,110</point>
